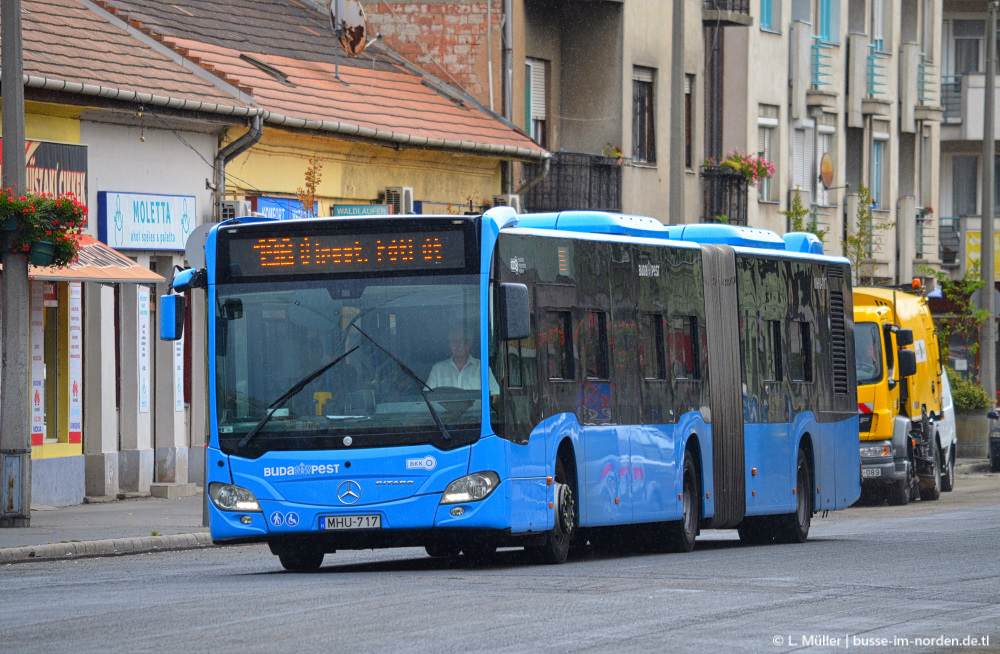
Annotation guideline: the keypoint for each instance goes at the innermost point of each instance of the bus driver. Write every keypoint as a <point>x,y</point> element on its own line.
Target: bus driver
<point>460,370</point>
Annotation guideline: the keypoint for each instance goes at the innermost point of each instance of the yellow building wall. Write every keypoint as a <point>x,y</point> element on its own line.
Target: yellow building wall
<point>50,122</point>
<point>355,173</point>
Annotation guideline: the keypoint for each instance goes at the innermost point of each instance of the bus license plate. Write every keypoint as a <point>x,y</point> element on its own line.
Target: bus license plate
<point>351,522</point>
<point>875,472</point>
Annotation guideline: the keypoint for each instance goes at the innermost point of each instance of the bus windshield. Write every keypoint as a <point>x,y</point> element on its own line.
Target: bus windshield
<point>867,352</point>
<point>270,337</point>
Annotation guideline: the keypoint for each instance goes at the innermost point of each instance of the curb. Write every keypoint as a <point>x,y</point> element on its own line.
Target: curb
<point>966,468</point>
<point>110,547</point>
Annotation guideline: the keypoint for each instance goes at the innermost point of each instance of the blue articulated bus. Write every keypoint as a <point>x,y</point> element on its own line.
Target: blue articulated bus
<point>464,383</point>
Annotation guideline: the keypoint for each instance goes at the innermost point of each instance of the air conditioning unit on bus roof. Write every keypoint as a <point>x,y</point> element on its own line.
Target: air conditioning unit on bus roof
<point>400,198</point>
<point>508,200</point>
<point>235,209</point>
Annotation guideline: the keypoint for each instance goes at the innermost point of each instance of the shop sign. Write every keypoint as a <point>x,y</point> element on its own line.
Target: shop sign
<point>143,349</point>
<point>145,221</point>
<point>37,316</point>
<point>56,169</point>
<point>75,362</point>
<point>360,210</point>
<point>283,208</point>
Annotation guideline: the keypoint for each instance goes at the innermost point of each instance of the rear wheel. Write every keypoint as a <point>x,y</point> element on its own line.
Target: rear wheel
<point>442,550</point>
<point>794,527</point>
<point>756,531</point>
<point>682,533</point>
<point>301,559</point>
<point>555,549</point>
<point>948,474</point>
<point>932,490</point>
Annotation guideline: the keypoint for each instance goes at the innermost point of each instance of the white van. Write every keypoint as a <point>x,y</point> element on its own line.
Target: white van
<point>947,436</point>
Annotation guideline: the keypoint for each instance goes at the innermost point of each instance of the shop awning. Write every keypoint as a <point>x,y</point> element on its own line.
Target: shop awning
<point>96,262</point>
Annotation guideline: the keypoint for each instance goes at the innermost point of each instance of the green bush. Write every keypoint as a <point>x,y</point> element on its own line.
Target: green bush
<point>968,396</point>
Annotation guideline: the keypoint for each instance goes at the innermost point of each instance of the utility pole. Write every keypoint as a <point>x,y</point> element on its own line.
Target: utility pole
<point>987,356</point>
<point>15,417</point>
<point>677,132</point>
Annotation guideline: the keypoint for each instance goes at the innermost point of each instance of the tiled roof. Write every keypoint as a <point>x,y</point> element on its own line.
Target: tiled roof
<point>283,52</point>
<point>67,47</point>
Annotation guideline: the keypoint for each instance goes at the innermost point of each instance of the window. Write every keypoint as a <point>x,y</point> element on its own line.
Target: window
<point>515,370</point>
<point>559,345</point>
<point>964,186</point>
<point>772,351</point>
<point>643,133</point>
<point>684,355</point>
<point>688,121</point>
<point>802,163</point>
<point>595,342</point>
<point>535,95</point>
<point>800,352</point>
<point>767,125</point>
<point>878,174</point>
<point>878,25</point>
<point>829,21</point>
<point>652,354</point>
<point>969,37</point>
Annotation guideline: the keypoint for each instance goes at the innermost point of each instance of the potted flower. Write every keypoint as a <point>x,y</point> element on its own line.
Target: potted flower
<point>46,226</point>
<point>753,167</point>
<point>971,423</point>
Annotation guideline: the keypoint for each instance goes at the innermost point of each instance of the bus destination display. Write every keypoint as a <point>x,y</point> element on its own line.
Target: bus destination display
<point>337,253</point>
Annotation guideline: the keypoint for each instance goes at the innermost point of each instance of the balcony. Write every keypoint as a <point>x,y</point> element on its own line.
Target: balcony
<point>726,12</point>
<point>964,100</point>
<point>576,181</point>
<point>724,195</point>
<point>949,243</point>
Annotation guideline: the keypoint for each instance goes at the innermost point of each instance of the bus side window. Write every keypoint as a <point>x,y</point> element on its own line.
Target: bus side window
<point>800,355</point>
<point>772,351</point>
<point>515,357</point>
<point>595,343</point>
<point>559,345</point>
<point>652,356</point>
<point>684,347</point>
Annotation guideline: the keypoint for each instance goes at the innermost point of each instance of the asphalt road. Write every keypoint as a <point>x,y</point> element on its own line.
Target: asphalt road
<point>872,579</point>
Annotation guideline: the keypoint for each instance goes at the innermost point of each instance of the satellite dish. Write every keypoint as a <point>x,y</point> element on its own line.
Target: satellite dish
<point>194,249</point>
<point>826,170</point>
<point>350,26</point>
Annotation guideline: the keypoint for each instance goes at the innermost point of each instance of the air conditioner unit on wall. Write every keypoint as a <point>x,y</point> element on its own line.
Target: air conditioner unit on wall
<point>400,198</point>
<point>235,209</point>
<point>509,200</point>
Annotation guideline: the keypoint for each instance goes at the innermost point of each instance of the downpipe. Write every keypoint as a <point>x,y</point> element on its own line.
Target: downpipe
<point>230,152</point>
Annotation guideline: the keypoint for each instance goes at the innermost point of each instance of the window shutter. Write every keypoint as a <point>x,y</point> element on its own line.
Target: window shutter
<point>801,164</point>
<point>538,109</point>
<point>877,22</point>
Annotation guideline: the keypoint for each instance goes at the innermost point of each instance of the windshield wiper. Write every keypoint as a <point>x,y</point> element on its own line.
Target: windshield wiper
<point>413,375</point>
<point>291,392</point>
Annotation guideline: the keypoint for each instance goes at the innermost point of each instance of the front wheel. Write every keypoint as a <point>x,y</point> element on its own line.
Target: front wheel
<point>555,549</point>
<point>948,474</point>
<point>794,527</point>
<point>301,559</point>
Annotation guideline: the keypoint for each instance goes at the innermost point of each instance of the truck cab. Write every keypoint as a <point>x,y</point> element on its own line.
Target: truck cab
<point>899,397</point>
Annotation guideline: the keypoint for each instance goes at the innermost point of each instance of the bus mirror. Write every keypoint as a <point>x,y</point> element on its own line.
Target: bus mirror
<point>904,337</point>
<point>907,363</point>
<point>515,312</point>
<point>188,279</point>
<point>172,308</point>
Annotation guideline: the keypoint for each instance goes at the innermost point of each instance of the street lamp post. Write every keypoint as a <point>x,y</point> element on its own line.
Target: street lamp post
<point>987,356</point>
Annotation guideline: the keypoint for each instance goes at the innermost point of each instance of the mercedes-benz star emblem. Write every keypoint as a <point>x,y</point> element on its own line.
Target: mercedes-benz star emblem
<point>349,492</point>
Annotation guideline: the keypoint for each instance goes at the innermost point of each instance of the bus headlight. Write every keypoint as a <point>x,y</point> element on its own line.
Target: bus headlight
<point>471,488</point>
<point>876,451</point>
<point>233,498</point>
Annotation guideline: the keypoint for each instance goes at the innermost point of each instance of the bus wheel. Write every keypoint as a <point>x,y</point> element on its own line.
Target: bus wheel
<point>479,553</point>
<point>301,559</point>
<point>756,530</point>
<point>443,550</point>
<point>555,549</point>
<point>794,527</point>
<point>682,534</point>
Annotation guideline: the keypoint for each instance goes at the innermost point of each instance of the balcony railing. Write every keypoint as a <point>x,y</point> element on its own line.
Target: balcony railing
<point>948,241</point>
<point>951,98</point>
<point>576,181</point>
<point>738,6</point>
<point>819,64</point>
<point>724,195</point>
<point>875,74</point>
<point>924,234</point>
<point>926,93</point>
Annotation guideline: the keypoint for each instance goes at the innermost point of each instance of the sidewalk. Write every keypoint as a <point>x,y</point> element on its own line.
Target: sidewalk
<point>144,525</point>
<point>131,526</point>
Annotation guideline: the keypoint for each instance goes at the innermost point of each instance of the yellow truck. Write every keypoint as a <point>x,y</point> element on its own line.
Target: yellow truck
<point>903,452</point>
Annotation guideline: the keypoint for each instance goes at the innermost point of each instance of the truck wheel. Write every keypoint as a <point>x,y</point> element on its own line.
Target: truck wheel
<point>932,490</point>
<point>899,493</point>
<point>948,474</point>
<point>994,462</point>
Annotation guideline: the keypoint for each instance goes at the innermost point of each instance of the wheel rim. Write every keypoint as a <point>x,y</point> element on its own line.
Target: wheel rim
<point>689,519</point>
<point>803,504</point>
